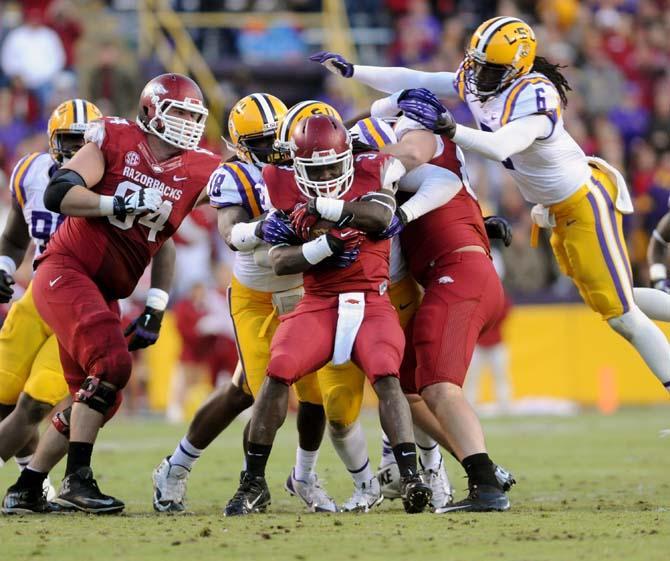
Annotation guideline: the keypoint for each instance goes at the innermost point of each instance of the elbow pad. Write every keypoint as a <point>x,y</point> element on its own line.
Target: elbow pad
<point>61,182</point>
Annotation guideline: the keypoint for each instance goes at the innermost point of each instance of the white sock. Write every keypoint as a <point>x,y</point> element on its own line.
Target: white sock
<point>23,461</point>
<point>305,463</point>
<point>648,339</point>
<point>428,448</point>
<point>499,361</point>
<point>352,449</point>
<point>653,303</point>
<point>387,452</point>
<point>185,454</point>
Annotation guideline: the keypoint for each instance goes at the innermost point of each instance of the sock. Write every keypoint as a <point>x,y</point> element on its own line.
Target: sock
<point>185,454</point>
<point>257,458</point>
<point>305,463</point>
<point>30,479</point>
<point>479,468</point>
<point>352,448</point>
<point>78,455</point>
<point>429,450</point>
<point>23,461</point>
<point>405,456</point>
<point>653,303</point>
<point>387,452</point>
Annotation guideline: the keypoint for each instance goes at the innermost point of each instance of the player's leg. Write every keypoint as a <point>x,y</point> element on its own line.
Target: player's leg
<point>378,351</point>
<point>595,250</point>
<point>302,344</point>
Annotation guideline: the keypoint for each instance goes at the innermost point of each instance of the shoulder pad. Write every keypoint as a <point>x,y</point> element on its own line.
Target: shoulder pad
<point>233,183</point>
<point>531,96</point>
<point>18,178</point>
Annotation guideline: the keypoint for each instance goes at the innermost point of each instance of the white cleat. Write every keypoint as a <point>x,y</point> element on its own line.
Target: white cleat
<point>169,487</point>
<point>389,480</point>
<point>49,490</point>
<point>365,497</point>
<point>312,494</point>
<point>438,481</point>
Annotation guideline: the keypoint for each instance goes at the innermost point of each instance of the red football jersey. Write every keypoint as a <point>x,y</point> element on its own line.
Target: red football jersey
<point>115,252</point>
<point>447,228</point>
<point>370,272</point>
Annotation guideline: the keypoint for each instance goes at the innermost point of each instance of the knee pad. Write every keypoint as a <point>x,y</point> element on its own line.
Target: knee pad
<point>629,323</point>
<point>97,395</point>
<point>114,369</point>
<point>340,405</point>
<point>61,421</point>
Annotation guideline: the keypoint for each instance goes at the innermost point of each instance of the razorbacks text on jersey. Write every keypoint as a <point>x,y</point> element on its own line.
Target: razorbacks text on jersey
<point>238,183</point>
<point>551,168</point>
<point>29,179</point>
<point>115,252</point>
<point>370,272</point>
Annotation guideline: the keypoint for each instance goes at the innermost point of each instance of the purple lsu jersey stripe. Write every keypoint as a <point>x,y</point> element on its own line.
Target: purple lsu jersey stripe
<point>240,189</point>
<point>252,182</point>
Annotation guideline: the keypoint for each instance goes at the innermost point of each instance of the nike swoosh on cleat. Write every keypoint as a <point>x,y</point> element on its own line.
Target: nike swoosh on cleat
<point>450,508</point>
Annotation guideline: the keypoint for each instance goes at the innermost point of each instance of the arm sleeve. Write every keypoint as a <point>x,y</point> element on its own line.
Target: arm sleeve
<point>432,186</point>
<point>508,140</point>
<point>392,79</point>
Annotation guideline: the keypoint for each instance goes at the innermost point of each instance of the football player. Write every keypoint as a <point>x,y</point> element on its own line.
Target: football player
<point>257,298</point>
<point>125,192</point>
<point>517,98</point>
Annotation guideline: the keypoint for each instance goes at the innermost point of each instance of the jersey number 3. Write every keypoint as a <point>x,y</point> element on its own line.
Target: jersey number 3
<point>155,221</point>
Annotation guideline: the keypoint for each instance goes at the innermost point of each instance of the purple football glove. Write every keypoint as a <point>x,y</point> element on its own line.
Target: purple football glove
<point>422,106</point>
<point>398,223</point>
<point>344,259</point>
<point>337,64</point>
<point>424,95</point>
<point>276,229</point>
<point>144,330</point>
<point>663,284</point>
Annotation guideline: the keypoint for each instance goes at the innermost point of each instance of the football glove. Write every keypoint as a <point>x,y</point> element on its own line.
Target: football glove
<point>144,329</point>
<point>337,64</point>
<point>276,229</point>
<point>137,202</point>
<point>398,223</point>
<point>345,243</point>
<point>662,284</point>
<point>422,106</point>
<point>6,290</point>
<point>498,228</point>
<point>303,217</point>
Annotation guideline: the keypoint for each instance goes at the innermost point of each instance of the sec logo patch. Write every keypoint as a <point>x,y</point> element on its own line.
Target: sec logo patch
<point>132,158</point>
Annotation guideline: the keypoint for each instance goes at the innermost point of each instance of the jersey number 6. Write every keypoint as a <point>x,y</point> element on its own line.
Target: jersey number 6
<point>155,221</point>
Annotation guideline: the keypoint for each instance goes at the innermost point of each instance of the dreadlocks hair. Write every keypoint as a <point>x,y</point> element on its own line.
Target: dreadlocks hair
<point>554,75</point>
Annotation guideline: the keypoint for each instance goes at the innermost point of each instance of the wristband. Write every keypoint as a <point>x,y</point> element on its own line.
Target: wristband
<point>7,264</point>
<point>657,272</point>
<point>243,236</point>
<point>317,250</point>
<point>106,205</point>
<point>330,209</point>
<point>157,299</point>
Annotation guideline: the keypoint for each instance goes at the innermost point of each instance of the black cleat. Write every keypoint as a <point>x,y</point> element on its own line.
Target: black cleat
<point>251,496</point>
<point>80,491</point>
<point>504,477</point>
<point>415,494</point>
<point>25,501</point>
<point>481,498</point>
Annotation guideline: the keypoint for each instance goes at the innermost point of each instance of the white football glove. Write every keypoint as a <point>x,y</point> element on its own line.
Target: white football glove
<point>137,202</point>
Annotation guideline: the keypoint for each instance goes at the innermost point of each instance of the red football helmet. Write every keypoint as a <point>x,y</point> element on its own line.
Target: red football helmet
<point>323,160</point>
<point>167,92</point>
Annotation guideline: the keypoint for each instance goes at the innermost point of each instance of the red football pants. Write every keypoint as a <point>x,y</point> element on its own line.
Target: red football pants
<point>88,327</point>
<point>304,341</point>
<point>463,298</point>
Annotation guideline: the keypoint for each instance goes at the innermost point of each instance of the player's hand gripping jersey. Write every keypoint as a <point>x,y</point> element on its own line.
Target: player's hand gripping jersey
<point>116,257</point>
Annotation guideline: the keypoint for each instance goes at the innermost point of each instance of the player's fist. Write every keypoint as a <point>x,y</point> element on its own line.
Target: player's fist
<point>137,202</point>
<point>144,329</point>
<point>421,105</point>
<point>6,290</point>
<point>345,244</point>
<point>337,64</point>
<point>303,217</point>
<point>498,228</point>
<point>276,229</point>
<point>398,223</point>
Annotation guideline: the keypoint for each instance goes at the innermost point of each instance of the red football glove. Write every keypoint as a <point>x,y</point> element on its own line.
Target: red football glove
<point>344,240</point>
<point>303,217</point>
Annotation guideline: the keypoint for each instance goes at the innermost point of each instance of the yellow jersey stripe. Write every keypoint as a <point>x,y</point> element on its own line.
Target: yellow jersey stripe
<point>249,190</point>
<point>19,176</point>
<point>514,94</point>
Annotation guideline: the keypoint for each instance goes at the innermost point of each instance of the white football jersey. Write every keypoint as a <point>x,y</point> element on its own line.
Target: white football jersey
<point>551,168</point>
<point>241,184</point>
<point>27,185</point>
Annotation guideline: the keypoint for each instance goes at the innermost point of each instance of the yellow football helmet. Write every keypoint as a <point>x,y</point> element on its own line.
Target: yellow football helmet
<point>501,49</point>
<point>297,113</point>
<point>67,125</point>
<point>252,126</point>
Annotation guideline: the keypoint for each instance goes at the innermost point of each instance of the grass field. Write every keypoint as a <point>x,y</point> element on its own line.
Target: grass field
<point>590,487</point>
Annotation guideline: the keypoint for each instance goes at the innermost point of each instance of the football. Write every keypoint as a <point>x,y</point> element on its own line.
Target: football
<point>320,227</point>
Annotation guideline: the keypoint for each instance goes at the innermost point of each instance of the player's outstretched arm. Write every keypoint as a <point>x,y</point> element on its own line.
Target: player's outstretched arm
<point>14,242</point>
<point>657,254</point>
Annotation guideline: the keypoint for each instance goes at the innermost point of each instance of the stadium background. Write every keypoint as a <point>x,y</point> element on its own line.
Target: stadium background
<point>617,54</point>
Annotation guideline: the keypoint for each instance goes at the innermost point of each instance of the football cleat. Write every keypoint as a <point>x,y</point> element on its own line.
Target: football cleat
<point>366,497</point>
<point>311,492</point>
<point>24,501</point>
<point>415,494</point>
<point>504,477</point>
<point>169,487</point>
<point>438,481</point>
<point>80,490</point>
<point>251,496</point>
<point>481,498</point>
<point>389,480</point>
